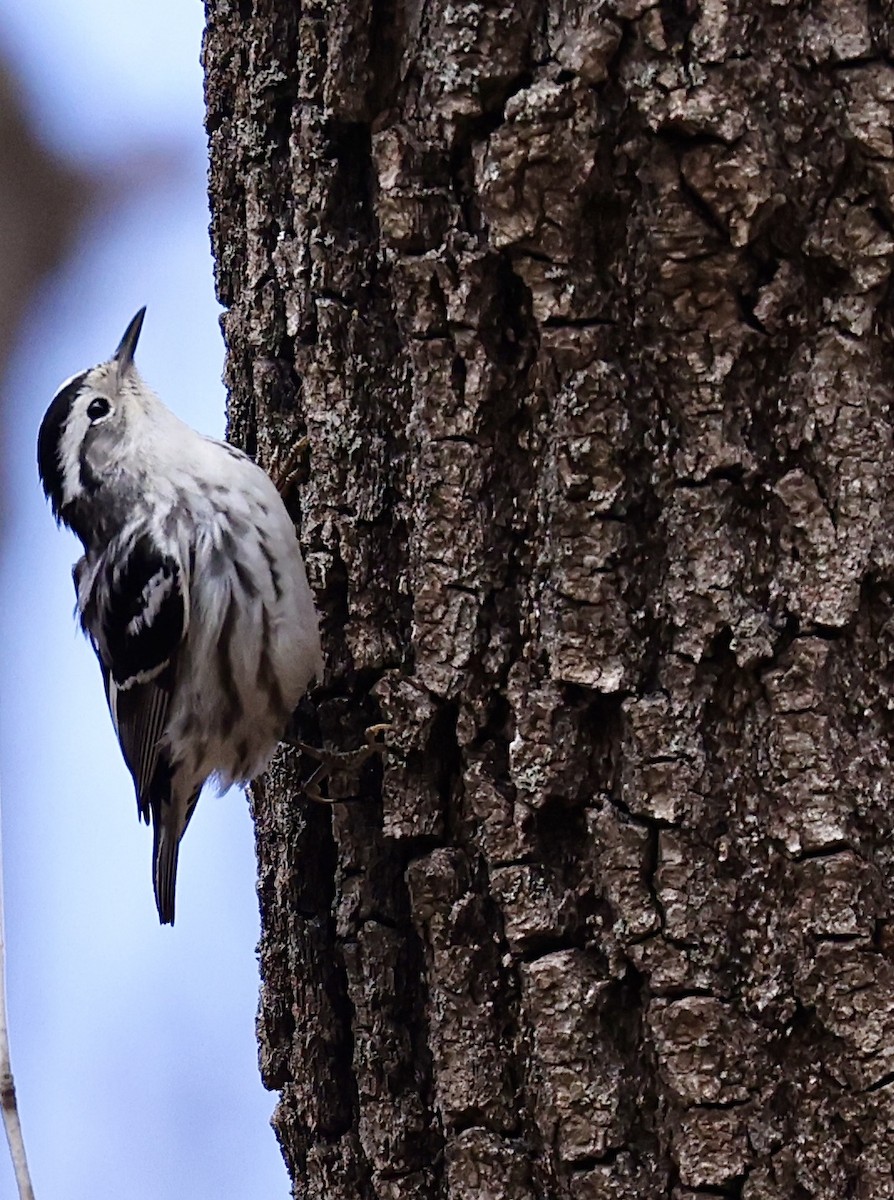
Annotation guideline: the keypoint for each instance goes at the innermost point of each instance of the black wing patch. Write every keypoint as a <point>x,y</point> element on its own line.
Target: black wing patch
<point>144,614</point>
<point>136,618</point>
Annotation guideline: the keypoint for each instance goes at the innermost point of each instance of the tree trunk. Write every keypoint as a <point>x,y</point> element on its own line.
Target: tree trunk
<point>584,310</point>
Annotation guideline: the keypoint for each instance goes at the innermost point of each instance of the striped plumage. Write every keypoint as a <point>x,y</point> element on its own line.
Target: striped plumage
<point>192,591</point>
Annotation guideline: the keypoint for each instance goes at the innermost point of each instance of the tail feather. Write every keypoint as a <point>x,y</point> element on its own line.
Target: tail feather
<point>170,816</point>
<point>165,849</point>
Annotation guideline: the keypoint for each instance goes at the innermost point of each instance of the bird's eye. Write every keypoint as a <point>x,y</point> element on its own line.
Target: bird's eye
<point>98,408</point>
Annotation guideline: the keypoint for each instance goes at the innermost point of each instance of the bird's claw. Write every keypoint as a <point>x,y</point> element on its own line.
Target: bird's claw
<point>286,471</point>
<point>335,760</point>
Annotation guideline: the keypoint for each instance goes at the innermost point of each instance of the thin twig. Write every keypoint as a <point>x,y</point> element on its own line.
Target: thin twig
<point>11,1121</point>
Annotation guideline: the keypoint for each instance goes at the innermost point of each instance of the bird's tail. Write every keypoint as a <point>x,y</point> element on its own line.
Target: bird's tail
<point>165,848</point>
<point>171,813</point>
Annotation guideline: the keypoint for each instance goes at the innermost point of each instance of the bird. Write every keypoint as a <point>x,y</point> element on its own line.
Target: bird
<point>191,589</point>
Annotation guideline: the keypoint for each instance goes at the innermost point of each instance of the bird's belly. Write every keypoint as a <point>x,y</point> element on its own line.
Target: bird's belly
<point>238,682</point>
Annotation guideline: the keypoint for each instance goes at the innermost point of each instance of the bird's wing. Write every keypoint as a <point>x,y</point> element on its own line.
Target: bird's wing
<point>136,617</point>
<point>139,714</point>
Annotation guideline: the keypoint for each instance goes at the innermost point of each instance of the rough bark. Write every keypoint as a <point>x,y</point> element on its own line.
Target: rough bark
<point>584,309</point>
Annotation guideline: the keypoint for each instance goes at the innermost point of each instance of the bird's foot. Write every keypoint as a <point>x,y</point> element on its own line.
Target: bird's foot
<point>286,470</point>
<point>335,760</point>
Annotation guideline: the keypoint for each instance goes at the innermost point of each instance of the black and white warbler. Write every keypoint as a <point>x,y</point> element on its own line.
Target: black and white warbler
<point>192,591</point>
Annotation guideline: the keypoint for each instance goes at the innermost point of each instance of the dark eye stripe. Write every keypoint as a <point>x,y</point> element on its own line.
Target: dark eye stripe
<point>51,427</point>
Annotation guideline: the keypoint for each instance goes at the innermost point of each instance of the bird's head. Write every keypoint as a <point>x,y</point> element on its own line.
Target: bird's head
<point>88,431</point>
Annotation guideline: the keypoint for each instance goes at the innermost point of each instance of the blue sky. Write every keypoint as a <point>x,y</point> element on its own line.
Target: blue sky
<point>133,1046</point>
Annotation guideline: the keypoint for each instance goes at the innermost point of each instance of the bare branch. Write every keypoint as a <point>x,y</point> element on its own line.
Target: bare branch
<point>10,1108</point>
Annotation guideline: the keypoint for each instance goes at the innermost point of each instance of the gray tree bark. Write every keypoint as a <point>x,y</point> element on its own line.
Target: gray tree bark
<point>585,311</point>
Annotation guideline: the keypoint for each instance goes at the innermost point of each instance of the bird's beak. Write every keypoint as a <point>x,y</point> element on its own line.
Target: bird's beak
<point>123,356</point>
